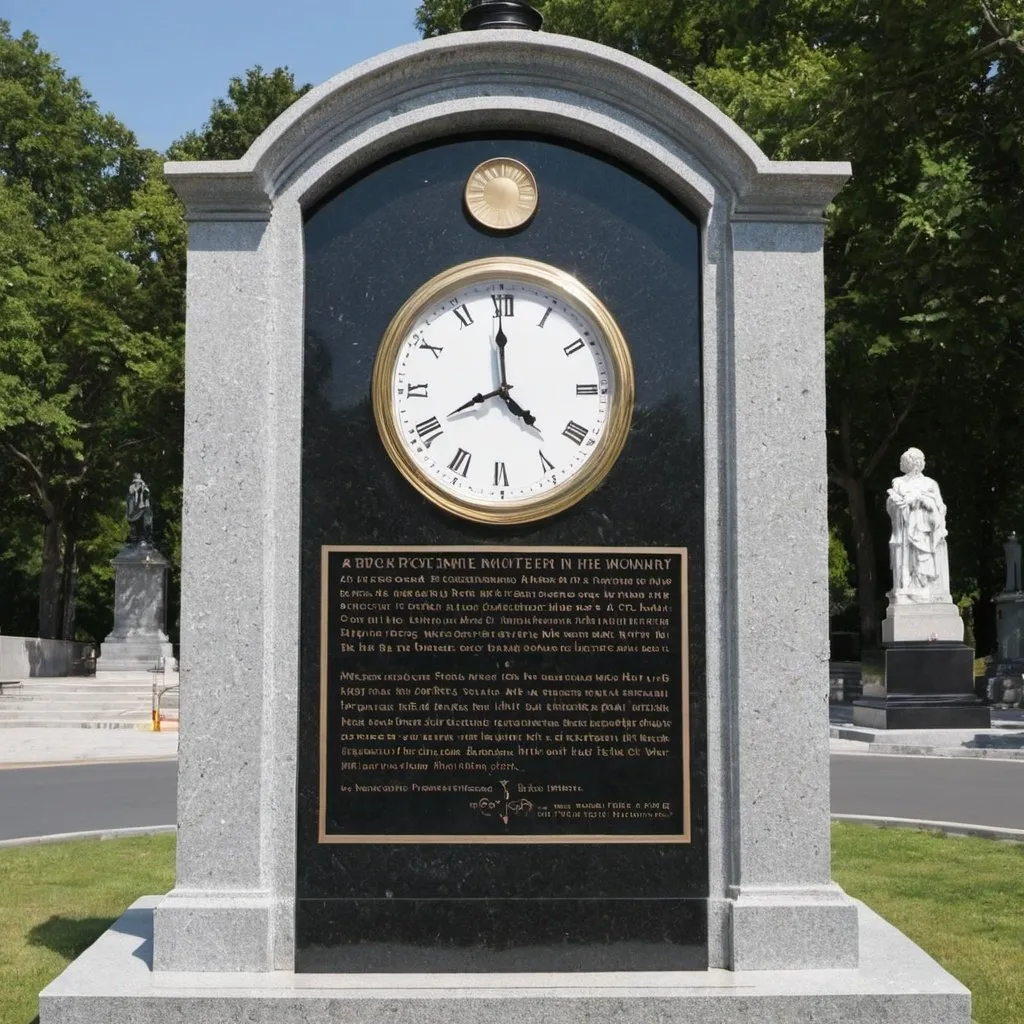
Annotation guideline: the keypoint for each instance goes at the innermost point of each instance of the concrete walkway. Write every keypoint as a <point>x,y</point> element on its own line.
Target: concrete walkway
<point>26,748</point>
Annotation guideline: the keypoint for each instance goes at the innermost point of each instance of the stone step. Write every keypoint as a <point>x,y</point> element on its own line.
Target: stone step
<point>110,708</point>
<point>30,693</point>
<point>81,713</point>
<point>49,723</point>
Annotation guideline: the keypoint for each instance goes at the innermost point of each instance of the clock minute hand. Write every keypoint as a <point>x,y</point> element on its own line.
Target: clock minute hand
<point>476,400</point>
<point>501,341</point>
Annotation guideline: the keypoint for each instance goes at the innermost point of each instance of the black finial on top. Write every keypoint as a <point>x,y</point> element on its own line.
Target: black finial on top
<point>501,14</point>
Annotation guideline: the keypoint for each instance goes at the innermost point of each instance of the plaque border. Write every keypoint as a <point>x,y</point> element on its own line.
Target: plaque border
<point>324,837</point>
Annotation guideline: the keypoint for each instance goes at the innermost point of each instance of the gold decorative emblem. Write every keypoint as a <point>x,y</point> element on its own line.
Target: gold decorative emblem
<point>501,194</point>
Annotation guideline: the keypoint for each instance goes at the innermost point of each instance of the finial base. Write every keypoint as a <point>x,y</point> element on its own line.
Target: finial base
<point>501,14</point>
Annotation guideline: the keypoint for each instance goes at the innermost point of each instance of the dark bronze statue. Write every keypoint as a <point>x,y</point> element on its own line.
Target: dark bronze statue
<point>140,512</point>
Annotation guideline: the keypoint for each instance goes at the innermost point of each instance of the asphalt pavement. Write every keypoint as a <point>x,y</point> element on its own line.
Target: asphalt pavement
<point>987,792</point>
<point>86,797</point>
<point>40,801</point>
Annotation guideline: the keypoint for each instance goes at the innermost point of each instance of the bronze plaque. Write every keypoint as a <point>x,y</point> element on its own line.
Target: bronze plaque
<point>503,695</point>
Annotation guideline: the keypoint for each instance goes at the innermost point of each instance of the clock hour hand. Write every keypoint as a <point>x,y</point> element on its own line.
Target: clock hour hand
<point>516,409</point>
<point>476,400</point>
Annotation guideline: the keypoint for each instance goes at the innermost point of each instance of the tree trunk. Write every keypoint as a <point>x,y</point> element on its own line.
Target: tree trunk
<point>69,587</point>
<point>50,582</point>
<point>864,547</point>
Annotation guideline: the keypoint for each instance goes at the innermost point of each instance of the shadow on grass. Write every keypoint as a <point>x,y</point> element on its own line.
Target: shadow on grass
<point>69,937</point>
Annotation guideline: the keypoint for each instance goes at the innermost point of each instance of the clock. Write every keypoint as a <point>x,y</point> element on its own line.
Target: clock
<point>503,390</point>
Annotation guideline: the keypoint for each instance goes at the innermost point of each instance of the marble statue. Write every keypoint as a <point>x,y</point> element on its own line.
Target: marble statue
<point>139,512</point>
<point>917,547</point>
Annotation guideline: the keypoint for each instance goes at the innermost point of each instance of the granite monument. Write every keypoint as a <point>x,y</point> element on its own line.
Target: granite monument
<point>525,741</point>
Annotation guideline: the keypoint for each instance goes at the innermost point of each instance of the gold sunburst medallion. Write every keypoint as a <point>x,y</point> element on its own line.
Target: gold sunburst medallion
<point>501,194</point>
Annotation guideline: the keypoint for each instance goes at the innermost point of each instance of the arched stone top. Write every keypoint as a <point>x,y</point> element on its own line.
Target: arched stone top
<point>507,81</point>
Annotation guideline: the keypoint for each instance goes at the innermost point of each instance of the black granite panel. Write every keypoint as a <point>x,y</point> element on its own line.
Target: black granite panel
<point>368,247</point>
<point>402,935</point>
<point>935,667</point>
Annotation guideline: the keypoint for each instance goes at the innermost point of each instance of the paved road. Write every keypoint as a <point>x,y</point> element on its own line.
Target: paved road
<point>80,798</point>
<point>977,791</point>
<point>43,801</point>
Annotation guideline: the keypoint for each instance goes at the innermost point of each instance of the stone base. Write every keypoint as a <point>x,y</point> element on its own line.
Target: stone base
<point>112,983</point>
<point>919,713</point>
<point>926,686</point>
<point>906,623</point>
<point>133,654</point>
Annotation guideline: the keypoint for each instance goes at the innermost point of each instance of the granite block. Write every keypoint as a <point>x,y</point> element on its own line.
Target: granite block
<point>112,983</point>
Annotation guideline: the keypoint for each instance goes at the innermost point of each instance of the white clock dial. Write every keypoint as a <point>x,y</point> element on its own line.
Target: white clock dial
<point>505,390</point>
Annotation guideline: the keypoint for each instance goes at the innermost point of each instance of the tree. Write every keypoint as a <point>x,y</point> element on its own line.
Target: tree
<point>82,353</point>
<point>925,299</point>
<point>236,122</point>
<point>92,276</point>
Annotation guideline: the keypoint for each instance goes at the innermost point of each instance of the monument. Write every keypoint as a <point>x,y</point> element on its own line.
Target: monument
<point>531,644</point>
<point>1006,681</point>
<point>138,642</point>
<point>928,676</point>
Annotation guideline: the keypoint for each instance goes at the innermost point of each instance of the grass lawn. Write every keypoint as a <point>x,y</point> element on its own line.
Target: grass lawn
<point>56,899</point>
<point>958,898</point>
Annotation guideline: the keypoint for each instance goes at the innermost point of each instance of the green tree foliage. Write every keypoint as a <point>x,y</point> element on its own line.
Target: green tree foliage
<point>90,316</point>
<point>92,275</point>
<point>236,122</point>
<point>925,343</point>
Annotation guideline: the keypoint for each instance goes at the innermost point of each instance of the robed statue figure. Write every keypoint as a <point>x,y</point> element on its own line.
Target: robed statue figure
<point>917,547</point>
<point>140,512</point>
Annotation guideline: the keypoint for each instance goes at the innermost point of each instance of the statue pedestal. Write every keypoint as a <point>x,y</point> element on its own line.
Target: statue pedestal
<point>905,623</point>
<point>925,685</point>
<point>928,677</point>
<point>138,641</point>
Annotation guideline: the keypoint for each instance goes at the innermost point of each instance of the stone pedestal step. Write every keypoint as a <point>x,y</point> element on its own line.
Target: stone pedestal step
<point>74,693</point>
<point>48,723</point>
<point>71,716</point>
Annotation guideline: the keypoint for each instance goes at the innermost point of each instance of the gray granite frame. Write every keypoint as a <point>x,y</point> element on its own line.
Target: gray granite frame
<point>772,903</point>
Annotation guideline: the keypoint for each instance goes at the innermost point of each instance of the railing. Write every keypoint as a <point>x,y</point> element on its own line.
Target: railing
<point>164,693</point>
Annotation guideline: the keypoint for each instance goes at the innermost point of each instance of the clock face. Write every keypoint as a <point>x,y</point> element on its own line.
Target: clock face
<point>503,390</point>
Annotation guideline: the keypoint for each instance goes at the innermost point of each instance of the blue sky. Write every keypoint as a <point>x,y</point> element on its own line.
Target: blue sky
<point>157,65</point>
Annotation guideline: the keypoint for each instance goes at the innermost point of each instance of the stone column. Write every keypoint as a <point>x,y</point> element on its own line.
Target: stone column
<point>786,912</point>
<point>138,640</point>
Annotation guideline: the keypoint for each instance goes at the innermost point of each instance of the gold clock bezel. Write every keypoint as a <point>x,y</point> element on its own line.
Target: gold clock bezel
<point>562,286</point>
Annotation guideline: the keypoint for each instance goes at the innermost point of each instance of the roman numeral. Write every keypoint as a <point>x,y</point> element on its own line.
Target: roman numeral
<point>574,432</point>
<point>504,305</point>
<point>574,346</point>
<point>500,475</point>
<point>586,389</point>
<point>543,319</point>
<point>433,348</point>
<point>545,465</point>
<point>420,391</point>
<point>429,431</point>
<point>460,464</point>
<point>464,316</point>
